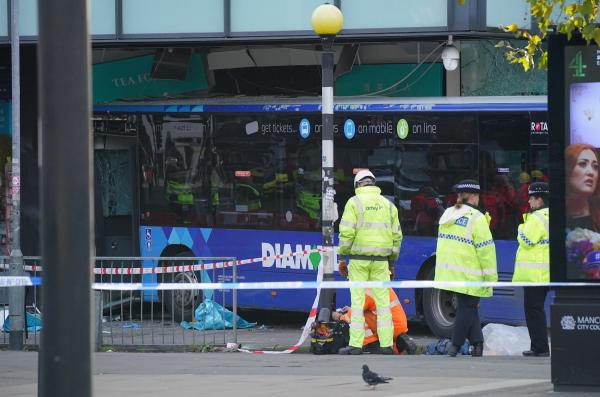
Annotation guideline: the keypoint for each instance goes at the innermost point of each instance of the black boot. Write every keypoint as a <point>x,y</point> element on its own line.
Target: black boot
<point>350,350</point>
<point>453,350</point>
<point>531,353</point>
<point>478,349</point>
<point>386,350</point>
<point>405,343</point>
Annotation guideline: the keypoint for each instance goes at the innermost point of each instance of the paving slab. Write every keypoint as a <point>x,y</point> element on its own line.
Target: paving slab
<point>240,374</point>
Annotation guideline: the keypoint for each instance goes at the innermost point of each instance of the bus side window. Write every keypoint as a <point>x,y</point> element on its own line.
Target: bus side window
<point>504,144</point>
<point>425,177</point>
<point>173,168</point>
<point>268,176</point>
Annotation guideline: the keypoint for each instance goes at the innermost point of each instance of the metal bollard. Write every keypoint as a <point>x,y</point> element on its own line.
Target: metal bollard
<point>98,316</point>
<point>234,302</point>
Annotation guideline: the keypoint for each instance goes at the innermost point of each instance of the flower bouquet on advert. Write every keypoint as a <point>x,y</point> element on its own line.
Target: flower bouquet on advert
<point>583,252</point>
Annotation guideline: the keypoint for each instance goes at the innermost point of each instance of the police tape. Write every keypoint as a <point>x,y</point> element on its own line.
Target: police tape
<point>312,315</point>
<point>128,270</point>
<point>19,281</point>
<point>13,281</point>
<point>416,284</point>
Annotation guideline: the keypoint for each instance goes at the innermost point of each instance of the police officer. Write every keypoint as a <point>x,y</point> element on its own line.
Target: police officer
<point>532,265</point>
<point>370,235</point>
<point>466,252</point>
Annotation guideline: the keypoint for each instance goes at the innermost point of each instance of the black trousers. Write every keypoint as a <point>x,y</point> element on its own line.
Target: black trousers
<point>535,316</point>
<point>467,324</point>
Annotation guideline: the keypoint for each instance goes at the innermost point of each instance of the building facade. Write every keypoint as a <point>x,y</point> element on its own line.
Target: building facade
<point>144,49</point>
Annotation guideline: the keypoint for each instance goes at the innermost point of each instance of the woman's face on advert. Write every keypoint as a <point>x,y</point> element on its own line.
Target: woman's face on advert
<point>584,176</point>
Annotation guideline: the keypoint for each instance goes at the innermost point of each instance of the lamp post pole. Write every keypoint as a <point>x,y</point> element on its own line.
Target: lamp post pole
<point>327,21</point>
<point>327,298</point>
<point>16,295</point>
<point>65,359</point>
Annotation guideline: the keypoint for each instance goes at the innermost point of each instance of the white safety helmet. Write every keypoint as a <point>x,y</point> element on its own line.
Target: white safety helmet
<point>362,174</point>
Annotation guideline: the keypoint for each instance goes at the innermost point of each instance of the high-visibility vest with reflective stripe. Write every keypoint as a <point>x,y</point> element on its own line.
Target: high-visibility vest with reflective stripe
<point>466,252</point>
<point>532,263</point>
<point>370,313</point>
<point>370,225</point>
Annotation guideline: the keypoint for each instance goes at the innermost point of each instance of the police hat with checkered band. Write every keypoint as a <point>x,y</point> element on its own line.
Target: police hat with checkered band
<point>467,186</point>
<point>539,189</point>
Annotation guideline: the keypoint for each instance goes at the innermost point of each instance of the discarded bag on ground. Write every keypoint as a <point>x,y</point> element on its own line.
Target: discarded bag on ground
<point>505,340</point>
<point>329,337</point>
<point>211,315</point>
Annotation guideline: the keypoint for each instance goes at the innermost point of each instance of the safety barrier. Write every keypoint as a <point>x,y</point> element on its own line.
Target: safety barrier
<point>129,318</point>
<point>132,317</point>
<point>32,300</point>
<point>123,291</point>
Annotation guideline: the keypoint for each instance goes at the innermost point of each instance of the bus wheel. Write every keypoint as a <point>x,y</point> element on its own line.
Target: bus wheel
<point>439,308</point>
<point>182,303</point>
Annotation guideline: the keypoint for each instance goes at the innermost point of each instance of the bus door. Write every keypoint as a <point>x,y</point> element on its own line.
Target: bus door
<point>116,195</point>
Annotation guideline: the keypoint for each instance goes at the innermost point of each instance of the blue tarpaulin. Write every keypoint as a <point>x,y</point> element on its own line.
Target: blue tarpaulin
<point>211,315</point>
<point>34,323</point>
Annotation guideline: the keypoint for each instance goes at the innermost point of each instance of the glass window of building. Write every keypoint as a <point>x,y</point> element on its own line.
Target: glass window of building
<point>507,12</point>
<point>172,16</point>
<point>3,18</point>
<point>485,72</point>
<point>103,17</point>
<point>274,15</point>
<point>28,22</point>
<point>387,14</point>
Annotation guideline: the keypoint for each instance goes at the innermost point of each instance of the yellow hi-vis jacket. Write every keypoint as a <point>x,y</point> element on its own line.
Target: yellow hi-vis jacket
<point>465,250</point>
<point>370,225</point>
<point>533,255</point>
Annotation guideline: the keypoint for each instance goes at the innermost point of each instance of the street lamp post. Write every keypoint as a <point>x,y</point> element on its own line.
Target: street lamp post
<point>16,295</point>
<point>327,21</point>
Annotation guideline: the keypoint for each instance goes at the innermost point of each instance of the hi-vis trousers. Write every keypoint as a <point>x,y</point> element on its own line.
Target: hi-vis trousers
<point>366,270</point>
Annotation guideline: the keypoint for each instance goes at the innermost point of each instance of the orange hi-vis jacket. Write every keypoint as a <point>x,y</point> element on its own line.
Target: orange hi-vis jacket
<point>370,311</point>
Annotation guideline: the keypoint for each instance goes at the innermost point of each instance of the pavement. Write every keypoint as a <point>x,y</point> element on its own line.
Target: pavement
<point>163,359</point>
<point>130,369</point>
<point>166,336</point>
<point>240,374</point>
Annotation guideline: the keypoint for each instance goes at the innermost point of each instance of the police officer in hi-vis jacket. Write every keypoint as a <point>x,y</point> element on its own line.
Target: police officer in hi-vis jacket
<point>532,265</point>
<point>466,252</point>
<point>370,235</point>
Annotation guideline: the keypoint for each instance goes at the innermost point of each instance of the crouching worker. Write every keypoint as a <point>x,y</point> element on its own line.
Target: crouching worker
<point>402,342</point>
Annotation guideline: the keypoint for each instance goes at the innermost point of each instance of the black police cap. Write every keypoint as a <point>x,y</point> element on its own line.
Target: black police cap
<point>539,189</point>
<point>468,186</point>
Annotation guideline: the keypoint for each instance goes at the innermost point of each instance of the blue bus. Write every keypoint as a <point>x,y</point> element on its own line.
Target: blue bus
<point>242,178</point>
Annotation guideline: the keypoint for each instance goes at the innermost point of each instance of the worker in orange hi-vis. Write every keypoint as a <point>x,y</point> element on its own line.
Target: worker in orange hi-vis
<point>403,343</point>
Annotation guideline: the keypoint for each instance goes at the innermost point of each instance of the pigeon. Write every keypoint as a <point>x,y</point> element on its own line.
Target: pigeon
<point>371,378</point>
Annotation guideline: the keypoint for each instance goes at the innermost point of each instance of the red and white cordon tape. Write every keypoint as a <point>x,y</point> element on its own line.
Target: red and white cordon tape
<point>312,315</point>
<point>176,268</point>
<point>218,265</point>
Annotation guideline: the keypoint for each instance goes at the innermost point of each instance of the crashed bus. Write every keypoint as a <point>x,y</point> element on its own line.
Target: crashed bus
<point>242,178</point>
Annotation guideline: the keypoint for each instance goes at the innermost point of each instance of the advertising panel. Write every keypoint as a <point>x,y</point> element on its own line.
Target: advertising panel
<point>582,162</point>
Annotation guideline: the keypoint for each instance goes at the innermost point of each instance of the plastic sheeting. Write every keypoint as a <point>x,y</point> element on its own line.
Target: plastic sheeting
<point>34,323</point>
<point>504,340</point>
<point>210,315</point>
